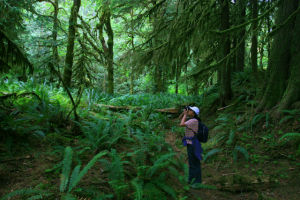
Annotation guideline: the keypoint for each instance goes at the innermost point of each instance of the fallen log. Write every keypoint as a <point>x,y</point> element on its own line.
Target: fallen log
<point>120,108</point>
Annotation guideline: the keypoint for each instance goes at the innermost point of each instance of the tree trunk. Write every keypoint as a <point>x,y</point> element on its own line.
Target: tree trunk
<point>177,75</point>
<point>279,62</point>
<point>54,37</point>
<point>132,51</point>
<point>71,39</point>
<point>240,55</point>
<point>292,92</point>
<point>225,71</point>
<point>158,77</point>
<point>107,46</point>
<point>254,36</point>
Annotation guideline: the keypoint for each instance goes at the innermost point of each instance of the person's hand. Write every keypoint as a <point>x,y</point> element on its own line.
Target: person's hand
<point>185,112</point>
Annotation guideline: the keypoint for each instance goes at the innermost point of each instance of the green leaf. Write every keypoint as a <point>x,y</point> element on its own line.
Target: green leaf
<point>242,150</point>
<point>66,168</point>
<point>289,135</point>
<point>286,118</point>
<point>86,169</point>
<point>211,153</point>
<point>231,138</point>
<point>138,186</point>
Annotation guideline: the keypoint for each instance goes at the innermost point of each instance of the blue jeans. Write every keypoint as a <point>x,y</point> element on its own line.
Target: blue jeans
<point>194,166</point>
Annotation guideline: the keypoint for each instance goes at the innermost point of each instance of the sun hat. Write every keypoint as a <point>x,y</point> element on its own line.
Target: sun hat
<point>195,109</point>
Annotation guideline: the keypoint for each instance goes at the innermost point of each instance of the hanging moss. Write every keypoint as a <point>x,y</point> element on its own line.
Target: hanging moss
<point>11,56</point>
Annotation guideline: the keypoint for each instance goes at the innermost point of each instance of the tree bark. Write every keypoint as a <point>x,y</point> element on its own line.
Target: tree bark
<point>107,46</point>
<point>67,77</point>
<point>132,51</point>
<point>225,69</point>
<point>279,63</point>
<point>240,55</point>
<point>292,92</point>
<point>54,37</point>
<point>254,36</point>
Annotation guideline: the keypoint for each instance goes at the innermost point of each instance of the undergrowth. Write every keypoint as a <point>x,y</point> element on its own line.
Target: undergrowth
<point>136,162</point>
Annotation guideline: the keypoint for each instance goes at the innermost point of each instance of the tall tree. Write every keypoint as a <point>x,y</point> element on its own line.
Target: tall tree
<point>280,63</point>
<point>225,68</point>
<point>254,10</point>
<point>108,46</point>
<point>292,92</point>
<point>240,53</point>
<point>67,77</point>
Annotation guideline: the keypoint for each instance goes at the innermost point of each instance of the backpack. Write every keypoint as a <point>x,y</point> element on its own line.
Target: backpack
<point>202,134</point>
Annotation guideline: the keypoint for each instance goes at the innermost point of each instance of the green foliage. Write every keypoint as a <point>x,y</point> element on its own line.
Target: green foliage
<point>68,183</point>
<point>66,169</point>
<point>241,150</point>
<point>28,193</point>
<point>288,135</point>
<point>211,153</point>
<point>290,114</point>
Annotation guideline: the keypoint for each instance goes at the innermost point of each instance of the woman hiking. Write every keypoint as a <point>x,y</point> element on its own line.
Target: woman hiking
<point>193,145</point>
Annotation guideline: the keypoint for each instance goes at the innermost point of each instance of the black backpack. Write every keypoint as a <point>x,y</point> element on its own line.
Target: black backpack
<point>202,134</point>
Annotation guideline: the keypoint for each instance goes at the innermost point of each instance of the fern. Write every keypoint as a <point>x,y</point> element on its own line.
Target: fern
<point>77,177</point>
<point>66,168</point>
<point>166,188</point>
<point>152,192</point>
<point>138,186</point>
<point>231,137</point>
<point>289,135</point>
<point>256,119</point>
<point>74,177</point>
<point>211,153</point>
<point>242,150</point>
<point>163,161</point>
<point>68,196</point>
<point>27,192</point>
<point>286,118</point>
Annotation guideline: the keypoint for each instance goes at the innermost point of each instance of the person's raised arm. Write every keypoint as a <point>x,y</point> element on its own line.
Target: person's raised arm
<point>182,123</point>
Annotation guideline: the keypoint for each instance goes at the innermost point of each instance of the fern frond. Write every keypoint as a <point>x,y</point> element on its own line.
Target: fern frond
<point>230,138</point>
<point>242,150</point>
<point>66,168</point>
<point>204,186</point>
<point>159,163</point>
<point>166,188</point>
<point>26,192</point>
<point>211,153</point>
<point>289,135</point>
<point>68,196</point>
<point>286,118</point>
<point>74,176</point>
<point>256,119</point>
<point>138,186</point>
<point>85,169</point>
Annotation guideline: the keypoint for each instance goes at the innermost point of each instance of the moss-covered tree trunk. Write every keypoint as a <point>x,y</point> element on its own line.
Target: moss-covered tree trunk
<point>225,69</point>
<point>108,47</point>
<point>158,78</point>
<point>132,51</point>
<point>279,63</point>
<point>67,77</point>
<point>54,38</point>
<point>292,92</point>
<point>240,54</point>
<point>254,9</point>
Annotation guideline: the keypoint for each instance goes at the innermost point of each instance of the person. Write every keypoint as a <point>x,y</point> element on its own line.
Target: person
<point>194,149</point>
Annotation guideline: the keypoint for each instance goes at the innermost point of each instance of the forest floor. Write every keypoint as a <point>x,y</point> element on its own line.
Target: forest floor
<point>273,176</point>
